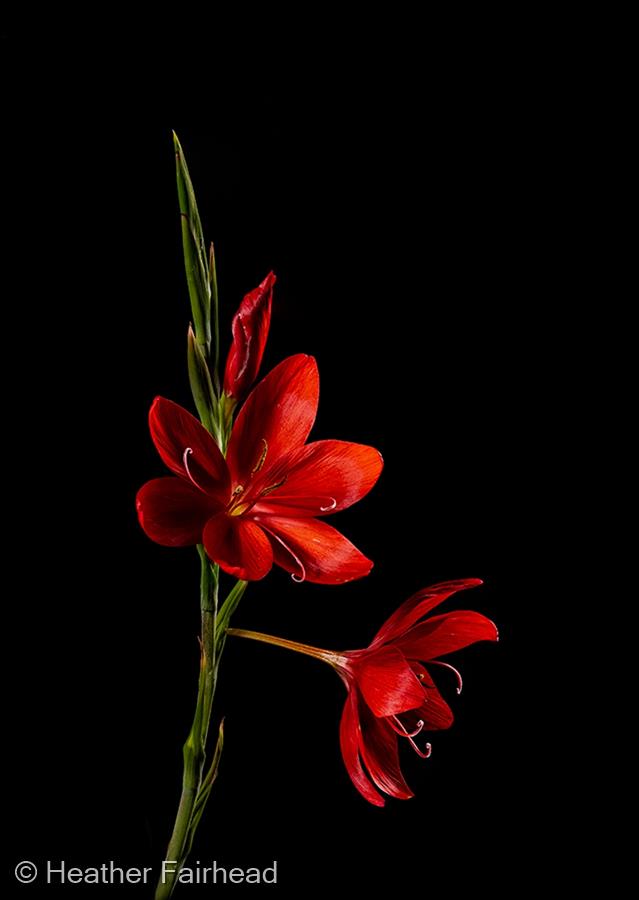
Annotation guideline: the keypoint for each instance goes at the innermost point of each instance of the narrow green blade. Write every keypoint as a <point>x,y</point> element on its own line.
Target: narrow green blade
<point>195,257</point>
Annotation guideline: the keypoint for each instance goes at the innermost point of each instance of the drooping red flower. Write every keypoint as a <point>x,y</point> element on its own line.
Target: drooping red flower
<point>260,504</point>
<point>250,330</point>
<point>391,692</point>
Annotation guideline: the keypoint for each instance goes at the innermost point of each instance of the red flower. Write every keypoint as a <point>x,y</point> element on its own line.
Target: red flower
<point>391,693</point>
<point>259,505</point>
<point>250,331</point>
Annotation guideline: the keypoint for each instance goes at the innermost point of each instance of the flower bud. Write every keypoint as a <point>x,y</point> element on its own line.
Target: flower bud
<point>250,331</point>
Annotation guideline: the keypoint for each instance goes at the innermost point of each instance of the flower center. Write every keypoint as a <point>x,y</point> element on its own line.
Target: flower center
<point>236,507</point>
<point>242,498</point>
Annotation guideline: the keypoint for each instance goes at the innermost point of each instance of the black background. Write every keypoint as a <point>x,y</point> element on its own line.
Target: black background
<point>400,242</point>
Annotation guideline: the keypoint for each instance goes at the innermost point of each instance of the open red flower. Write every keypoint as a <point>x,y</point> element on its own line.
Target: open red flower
<point>250,331</point>
<point>259,505</point>
<point>391,692</point>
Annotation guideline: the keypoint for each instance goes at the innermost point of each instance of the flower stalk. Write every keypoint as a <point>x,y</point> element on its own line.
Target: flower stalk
<point>196,785</point>
<point>203,350</point>
<point>333,659</point>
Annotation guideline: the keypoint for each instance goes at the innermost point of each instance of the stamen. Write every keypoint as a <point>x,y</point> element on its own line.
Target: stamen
<point>332,505</point>
<point>298,579</point>
<point>233,507</point>
<point>185,456</point>
<point>403,732</point>
<point>437,662</point>
<point>273,487</point>
<point>425,753</point>
<point>260,461</point>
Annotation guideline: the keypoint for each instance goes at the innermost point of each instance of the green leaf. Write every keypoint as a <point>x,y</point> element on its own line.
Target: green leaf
<point>216,316</point>
<point>195,258</point>
<point>224,616</point>
<point>211,775</point>
<point>201,385</point>
<point>205,790</point>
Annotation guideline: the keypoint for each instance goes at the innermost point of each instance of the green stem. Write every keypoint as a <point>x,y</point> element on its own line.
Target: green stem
<point>208,606</point>
<point>194,787</point>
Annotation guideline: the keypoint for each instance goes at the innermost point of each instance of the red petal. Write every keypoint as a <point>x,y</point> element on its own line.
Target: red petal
<point>380,752</point>
<point>239,546</point>
<point>435,712</point>
<point>250,331</point>
<point>387,682</point>
<point>174,430</point>
<point>417,606</point>
<point>349,739</point>
<point>445,634</point>
<point>279,412</point>
<point>324,477</point>
<point>173,512</point>
<point>313,551</point>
